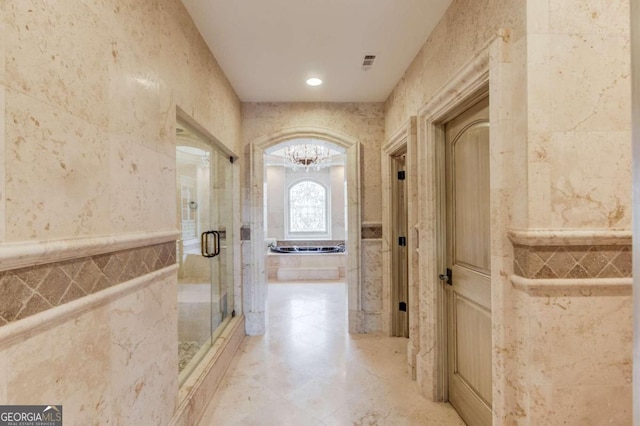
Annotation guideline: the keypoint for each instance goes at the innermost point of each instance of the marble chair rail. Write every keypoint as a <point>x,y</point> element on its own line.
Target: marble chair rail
<point>16,255</point>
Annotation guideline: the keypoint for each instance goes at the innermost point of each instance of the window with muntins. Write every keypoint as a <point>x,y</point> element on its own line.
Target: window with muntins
<point>307,208</point>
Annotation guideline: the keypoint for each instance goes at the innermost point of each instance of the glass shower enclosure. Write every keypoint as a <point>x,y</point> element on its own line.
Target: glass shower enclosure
<point>204,248</point>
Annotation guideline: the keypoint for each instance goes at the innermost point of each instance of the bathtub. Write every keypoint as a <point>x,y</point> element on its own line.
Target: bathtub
<point>308,249</point>
<point>306,262</point>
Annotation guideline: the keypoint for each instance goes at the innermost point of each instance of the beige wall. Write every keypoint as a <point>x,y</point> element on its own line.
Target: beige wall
<point>562,182</point>
<point>90,97</point>
<point>88,100</point>
<point>578,114</point>
<point>274,197</point>
<point>465,28</point>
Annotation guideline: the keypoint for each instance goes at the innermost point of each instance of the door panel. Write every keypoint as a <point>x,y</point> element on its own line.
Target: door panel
<point>471,203</point>
<point>400,266</point>
<point>469,258</point>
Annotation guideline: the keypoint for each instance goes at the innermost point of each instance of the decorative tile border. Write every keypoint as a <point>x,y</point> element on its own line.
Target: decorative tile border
<point>584,254</point>
<point>371,231</point>
<point>27,291</point>
<point>245,233</point>
<point>585,261</point>
<point>368,231</point>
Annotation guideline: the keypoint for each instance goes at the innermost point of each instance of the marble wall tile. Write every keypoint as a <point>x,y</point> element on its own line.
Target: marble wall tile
<point>588,331</point>
<point>3,149</point>
<point>4,375</point>
<point>583,167</point>
<point>588,405</point>
<point>580,360</point>
<point>92,82</point>
<point>372,277</point>
<point>143,387</point>
<point>576,101</point>
<point>3,49</point>
<point>72,371</point>
<point>587,17</point>
<point>52,57</point>
<point>142,190</point>
<point>517,176</point>
<point>68,189</point>
<point>584,73</point>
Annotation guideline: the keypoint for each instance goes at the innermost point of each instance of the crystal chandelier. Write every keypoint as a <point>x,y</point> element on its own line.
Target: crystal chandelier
<point>307,157</point>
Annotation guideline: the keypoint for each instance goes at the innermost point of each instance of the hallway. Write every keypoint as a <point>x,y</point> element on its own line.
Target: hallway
<point>307,370</point>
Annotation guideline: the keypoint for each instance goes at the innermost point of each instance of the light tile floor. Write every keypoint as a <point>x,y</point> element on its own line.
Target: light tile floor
<point>307,370</point>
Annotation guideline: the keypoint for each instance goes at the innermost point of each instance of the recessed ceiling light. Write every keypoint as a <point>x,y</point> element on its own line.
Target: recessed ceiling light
<point>314,81</point>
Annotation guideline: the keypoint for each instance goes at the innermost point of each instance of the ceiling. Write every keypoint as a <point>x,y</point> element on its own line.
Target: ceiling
<point>268,48</point>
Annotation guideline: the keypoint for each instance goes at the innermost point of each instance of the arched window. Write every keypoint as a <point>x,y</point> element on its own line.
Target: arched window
<point>307,208</point>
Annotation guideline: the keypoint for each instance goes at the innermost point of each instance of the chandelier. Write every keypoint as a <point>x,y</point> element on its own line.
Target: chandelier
<point>307,157</point>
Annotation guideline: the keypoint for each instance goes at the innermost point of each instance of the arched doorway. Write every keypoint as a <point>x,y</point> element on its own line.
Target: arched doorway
<point>255,294</point>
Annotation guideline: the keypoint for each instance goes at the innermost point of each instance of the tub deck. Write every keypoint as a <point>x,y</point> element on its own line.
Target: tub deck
<point>305,266</point>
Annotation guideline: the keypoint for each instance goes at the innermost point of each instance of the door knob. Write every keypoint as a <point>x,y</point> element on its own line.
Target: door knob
<point>446,277</point>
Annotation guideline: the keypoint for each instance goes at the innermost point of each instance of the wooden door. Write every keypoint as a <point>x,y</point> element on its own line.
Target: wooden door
<point>400,266</point>
<point>469,264</point>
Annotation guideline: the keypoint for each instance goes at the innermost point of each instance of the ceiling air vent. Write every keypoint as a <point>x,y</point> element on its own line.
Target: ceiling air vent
<point>367,62</point>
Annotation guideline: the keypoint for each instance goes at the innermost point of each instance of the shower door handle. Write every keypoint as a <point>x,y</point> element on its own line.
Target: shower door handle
<point>204,244</point>
<point>216,243</point>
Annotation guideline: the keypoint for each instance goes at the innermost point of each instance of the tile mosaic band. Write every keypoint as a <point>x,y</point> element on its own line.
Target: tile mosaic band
<point>371,231</point>
<point>367,232</point>
<point>550,254</point>
<point>27,291</point>
<point>575,262</point>
<point>245,233</point>
<point>544,262</point>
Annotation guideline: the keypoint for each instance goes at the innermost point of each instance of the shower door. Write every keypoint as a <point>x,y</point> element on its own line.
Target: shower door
<point>205,282</point>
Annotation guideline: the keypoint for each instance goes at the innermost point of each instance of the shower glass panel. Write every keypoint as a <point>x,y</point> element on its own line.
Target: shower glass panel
<point>205,275</point>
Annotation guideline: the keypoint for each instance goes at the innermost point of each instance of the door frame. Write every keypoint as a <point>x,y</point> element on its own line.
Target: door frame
<point>442,244</point>
<point>489,69</point>
<point>635,125</point>
<point>405,139</point>
<point>255,288</point>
